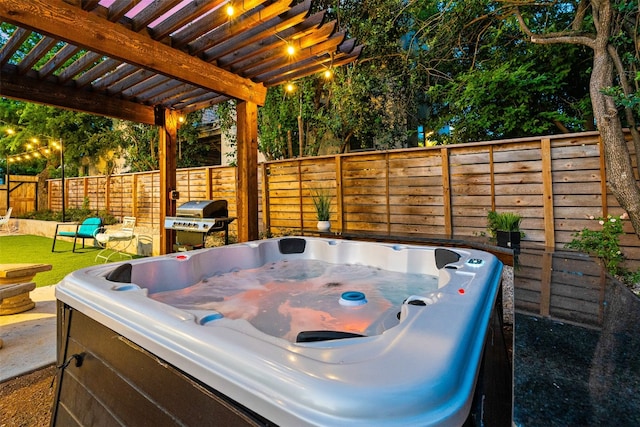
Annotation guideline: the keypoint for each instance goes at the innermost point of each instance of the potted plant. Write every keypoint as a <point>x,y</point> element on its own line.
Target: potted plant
<point>322,203</point>
<point>505,228</point>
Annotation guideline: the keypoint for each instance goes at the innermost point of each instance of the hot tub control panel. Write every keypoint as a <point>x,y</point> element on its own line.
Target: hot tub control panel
<point>475,262</point>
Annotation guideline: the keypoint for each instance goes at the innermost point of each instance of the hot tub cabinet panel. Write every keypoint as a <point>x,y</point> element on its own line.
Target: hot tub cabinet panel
<point>112,381</point>
<point>416,364</point>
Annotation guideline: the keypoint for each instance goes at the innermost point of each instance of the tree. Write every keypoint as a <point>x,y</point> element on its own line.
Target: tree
<point>479,78</point>
<point>610,29</point>
<point>83,135</point>
<point>364,106</point>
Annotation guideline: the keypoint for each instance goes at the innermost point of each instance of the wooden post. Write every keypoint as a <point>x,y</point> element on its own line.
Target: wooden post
<point>168,132</point>
<point>134,195</point>
<point>603,180</point>
<point>547,197</point>
<point>339,194</point>
<point>387,192</point>
<point>300,134</point>
<point>446,192</point>
<point>300,201</point>
<point>266,212</point>
<point>208,186</point>
<point>107,193</point>
<point>492,178</point>
<point>247,182</point>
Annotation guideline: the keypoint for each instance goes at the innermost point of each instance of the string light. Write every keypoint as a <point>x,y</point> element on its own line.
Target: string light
<point>290,87</point>
<point>230,10</point>
<point>33,149</point>
<point>291,50</point>
<point>328,74</point>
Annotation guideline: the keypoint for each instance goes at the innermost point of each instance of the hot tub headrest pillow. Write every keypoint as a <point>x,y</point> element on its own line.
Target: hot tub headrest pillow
<point>122,274</point>
<point>292,245</point>
<point>445,256</point>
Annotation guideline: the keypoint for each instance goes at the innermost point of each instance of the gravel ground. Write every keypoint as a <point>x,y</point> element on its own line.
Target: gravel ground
<point>26,401</point>
<point>507,294</point>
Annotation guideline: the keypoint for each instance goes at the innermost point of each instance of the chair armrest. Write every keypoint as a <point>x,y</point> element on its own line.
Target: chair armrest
<point>68,224</point>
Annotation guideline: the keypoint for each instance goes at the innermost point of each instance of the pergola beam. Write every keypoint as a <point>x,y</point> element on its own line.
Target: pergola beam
<point>55,18</point>
<point>29,89</point>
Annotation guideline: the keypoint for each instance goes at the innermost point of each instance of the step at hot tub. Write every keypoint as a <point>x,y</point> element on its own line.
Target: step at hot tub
<point>287,331</point>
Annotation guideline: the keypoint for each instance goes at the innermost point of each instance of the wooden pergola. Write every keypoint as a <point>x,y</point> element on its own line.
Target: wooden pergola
<point>150,61</point>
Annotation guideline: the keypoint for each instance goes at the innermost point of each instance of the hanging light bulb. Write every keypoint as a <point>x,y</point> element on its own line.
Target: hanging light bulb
<point>290,49</point>
<point>328,74</point>
<point>290,87</point>
<point>230,10</point>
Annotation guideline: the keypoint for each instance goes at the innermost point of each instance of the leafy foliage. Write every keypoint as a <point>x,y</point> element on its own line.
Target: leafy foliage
<point>604,243</point>
<point>503,221</point>
<point>322,203</point>
<point>83,135</point>
<point>71,214</point>
<point>458,69</point>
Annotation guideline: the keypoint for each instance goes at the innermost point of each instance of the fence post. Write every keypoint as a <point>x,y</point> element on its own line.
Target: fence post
<point>492,179</point>
<point>446,192</point>
<point>603,180</point>
<point>386,172</point>
<point>547,195</point>
<point>300,194</point>
<point>134,195</point>
<point>208,186</point>
<point>107,193</point>
<point>266,212</point>
<point>339,191</point>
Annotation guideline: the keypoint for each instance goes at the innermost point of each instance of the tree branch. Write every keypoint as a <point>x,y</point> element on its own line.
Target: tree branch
<point>553,38</point>
<point>626,88</point>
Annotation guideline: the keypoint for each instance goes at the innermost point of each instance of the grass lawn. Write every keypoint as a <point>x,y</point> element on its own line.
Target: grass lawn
<point>37,249</point>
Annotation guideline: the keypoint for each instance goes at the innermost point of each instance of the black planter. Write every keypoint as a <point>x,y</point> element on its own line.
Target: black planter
<point>508,239</point>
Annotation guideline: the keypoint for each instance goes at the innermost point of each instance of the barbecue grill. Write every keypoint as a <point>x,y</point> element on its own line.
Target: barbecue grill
<point>195,220</point>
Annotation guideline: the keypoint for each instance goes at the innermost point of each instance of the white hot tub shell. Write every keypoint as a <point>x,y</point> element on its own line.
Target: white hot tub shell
<point>418,365</point>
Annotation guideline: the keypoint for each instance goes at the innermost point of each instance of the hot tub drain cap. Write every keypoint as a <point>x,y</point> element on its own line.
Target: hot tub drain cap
<point>352,298</point>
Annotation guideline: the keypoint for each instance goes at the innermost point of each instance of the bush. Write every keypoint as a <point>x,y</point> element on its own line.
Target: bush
<point>71,215</point>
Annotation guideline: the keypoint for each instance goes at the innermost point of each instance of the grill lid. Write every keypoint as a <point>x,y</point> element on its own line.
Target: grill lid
<point>203,209</point>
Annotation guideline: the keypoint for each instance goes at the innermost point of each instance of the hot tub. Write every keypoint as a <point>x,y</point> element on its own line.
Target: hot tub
<point>288,331</point>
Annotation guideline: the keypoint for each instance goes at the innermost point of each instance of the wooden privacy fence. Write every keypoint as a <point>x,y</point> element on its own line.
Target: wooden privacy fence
<point>23,194</point>
<point>554,182</point>
<point>138,194</point>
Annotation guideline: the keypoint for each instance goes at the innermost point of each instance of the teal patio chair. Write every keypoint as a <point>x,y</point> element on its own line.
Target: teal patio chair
<point>87,230</point>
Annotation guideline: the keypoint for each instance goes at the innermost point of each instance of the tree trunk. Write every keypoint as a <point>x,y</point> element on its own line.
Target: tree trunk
<point>620,174</point>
